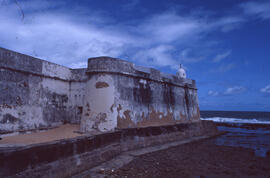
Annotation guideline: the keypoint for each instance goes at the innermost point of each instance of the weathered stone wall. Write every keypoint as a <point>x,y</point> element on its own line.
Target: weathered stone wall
<point>35,93</point>
<point>110,93</point>
<point>122,95</point>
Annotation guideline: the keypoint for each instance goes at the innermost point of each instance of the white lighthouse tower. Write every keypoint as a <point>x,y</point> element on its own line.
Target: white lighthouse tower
<point>181,73</point>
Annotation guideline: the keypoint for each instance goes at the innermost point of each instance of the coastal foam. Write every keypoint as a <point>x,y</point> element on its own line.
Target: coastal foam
<point>237,120</point>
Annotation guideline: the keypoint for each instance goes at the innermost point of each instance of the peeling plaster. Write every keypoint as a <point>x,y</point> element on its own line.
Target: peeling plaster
<point>109,94</point>
<point>101,101</point>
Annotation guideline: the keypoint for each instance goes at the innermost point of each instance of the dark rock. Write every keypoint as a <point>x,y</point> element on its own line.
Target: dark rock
<point>268,153</point>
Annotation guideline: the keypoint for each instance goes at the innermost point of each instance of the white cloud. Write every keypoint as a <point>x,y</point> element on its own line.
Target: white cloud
<point>170,27</point>
<point>230,23</point>
<point>234,90</point>
<point>58,37</point>
<point>213,93</point>
<point>187,55</point>
<point>225,68</point>
<point>259,9</point>
<point>156,56</point>
<point>78,65</point>
<point>229,91</point>
<point>130,4</point>
<point>69,36</point>
<point>222,56</point>
<point>266,89</point>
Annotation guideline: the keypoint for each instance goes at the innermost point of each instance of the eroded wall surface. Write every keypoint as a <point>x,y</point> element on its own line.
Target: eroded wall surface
<point>122,95</point>
<point>109,94</point>
<point>35,93</point>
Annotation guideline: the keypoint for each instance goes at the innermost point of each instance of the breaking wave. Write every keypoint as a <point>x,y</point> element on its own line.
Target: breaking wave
<point>237,120</point>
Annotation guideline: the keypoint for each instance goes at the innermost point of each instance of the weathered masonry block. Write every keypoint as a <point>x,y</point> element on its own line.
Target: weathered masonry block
<point>109,94</point>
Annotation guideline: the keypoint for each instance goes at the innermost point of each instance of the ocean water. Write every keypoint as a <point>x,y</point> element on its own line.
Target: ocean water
<point>244,129</point>
<point>237,116</point>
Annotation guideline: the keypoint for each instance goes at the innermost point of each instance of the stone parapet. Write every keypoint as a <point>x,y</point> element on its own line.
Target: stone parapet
<point>121,67</point>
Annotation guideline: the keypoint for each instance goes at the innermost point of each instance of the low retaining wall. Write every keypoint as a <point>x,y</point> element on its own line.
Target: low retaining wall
<point>68,157</point>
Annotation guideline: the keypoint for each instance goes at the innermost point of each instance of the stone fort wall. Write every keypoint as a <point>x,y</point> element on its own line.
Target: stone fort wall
<point>120,94</point>
<point>110,93</point>
<point>37,94</point>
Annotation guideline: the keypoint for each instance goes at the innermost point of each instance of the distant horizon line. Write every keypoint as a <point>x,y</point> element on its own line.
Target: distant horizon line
<point>233,111</point>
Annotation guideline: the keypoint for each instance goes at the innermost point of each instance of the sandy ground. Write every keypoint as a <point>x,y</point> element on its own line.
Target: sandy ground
<point>62,132</point>
<point>198,159</point>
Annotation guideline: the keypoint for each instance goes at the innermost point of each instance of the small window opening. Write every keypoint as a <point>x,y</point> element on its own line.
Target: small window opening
<point>80,110</point>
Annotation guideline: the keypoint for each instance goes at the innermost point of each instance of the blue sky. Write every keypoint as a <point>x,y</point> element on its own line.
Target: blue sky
<point>224,45</point>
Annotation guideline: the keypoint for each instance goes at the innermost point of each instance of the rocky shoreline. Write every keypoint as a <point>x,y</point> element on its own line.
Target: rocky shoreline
<point>197,159</point>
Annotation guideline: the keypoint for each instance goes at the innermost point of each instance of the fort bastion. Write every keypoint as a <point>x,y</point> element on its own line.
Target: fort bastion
<point>60,122</point>
<point>109,94</point>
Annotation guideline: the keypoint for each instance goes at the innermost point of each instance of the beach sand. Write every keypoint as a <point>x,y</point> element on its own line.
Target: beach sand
<point>62,132</point>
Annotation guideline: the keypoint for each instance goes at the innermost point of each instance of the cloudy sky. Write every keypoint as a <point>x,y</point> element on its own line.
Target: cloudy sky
<point>224,45</point>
